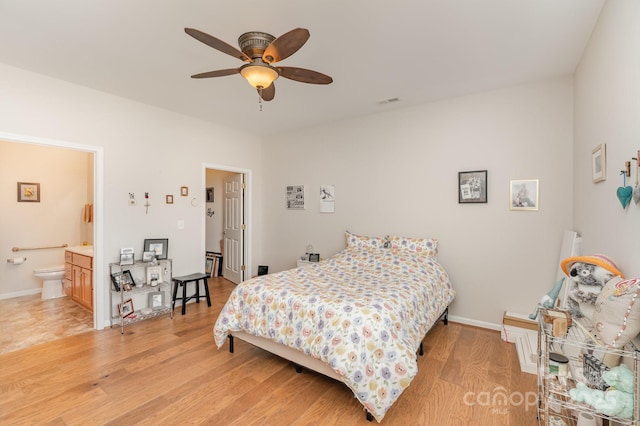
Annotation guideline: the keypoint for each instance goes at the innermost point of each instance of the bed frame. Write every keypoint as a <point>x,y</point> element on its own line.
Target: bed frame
<point>300,360</point>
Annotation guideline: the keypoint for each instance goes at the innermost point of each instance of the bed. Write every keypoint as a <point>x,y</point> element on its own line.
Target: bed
<point>358,316</point>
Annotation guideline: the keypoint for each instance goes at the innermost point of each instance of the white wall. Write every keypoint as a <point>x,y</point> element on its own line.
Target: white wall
<point>607,110</point>
<point>396,173</point>
<point>146,149</point>
<point>58,218</point>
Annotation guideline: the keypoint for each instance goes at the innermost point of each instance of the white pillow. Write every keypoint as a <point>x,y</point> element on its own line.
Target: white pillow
<point>616,316</point>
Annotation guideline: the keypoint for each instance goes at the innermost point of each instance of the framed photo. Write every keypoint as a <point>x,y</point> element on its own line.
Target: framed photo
<point>122,279</point>
<point>208,263</point>
<point>28,192</point>
<point>472,187</point>
<point>314,257</point>
<point>147,256</point>
<point>126,308</point>
<point>156,300</point>
<point>295,197</point>
<point>184,191</point>
<point>523,195</point>
<point>154,275</point>
<point>210,195</point>
<point>168,199</point>
<point>126,259</point>
<point>158,246</point>
<point>263,269</point>
<point>599,163</point>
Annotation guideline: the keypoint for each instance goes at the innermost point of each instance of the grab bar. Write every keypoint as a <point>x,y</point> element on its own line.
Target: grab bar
<point>39,248</point>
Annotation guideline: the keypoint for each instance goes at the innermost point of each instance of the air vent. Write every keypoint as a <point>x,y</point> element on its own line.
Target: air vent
<point>388,101</point>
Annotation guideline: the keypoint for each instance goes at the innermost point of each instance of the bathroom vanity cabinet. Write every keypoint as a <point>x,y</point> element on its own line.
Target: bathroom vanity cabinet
<point>78,278</point>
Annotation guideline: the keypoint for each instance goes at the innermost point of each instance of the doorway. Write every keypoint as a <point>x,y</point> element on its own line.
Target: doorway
<point>96,188</point>
<point>227,228</point>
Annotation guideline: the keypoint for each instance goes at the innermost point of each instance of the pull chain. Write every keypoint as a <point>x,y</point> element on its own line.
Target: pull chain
<point>260,97</point>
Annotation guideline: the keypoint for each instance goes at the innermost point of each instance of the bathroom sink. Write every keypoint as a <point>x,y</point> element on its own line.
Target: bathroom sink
<point>84,250</point>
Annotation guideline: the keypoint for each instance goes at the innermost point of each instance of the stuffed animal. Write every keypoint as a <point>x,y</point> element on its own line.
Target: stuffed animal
<point>587,275</point>
<point>617,400</point>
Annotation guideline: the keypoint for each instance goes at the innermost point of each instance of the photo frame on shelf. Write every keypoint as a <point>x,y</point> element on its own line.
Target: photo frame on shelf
<point>115,281</point>
<point>154,275</point>
<point>147,256</point>
<point>472,187</point>
<point>263,269</point>
<point>126,308</point>
<point>599,163</point>
<point>159,246</point>
<point>156,300</point>
<point>523,194</point>
<point>28,192</point>
<point>314,257</point>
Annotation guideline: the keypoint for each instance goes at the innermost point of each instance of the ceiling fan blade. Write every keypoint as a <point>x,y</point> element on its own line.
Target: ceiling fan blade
<point>218,73</point>
<point>285,45</point>
<point>269,93</point>
<point>304,75</point>
<point>217,44</point>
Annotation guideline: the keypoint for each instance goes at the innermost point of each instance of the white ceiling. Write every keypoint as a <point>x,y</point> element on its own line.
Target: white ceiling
<point>415,50</point>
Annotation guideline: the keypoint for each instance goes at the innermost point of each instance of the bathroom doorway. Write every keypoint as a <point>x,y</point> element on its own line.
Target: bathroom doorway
<point>40,230</point>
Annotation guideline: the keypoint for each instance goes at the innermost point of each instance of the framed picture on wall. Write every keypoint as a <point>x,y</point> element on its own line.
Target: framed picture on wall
<point>210,194</point>
<point>28,192</point>
<point>523,194</point>
<point>472,187</point>
<point>599,163</point>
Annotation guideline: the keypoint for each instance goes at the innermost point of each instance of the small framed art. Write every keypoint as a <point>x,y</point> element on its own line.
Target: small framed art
<point>126,308</point>
<point>599,163</point>
<point>523,194</point>
<point>158,246</point>
<point>154,275</point>
<point>168,199</point>
<point>314,257</point>
<point>184,191</point>
<point>156,300</point>
<point>472,187</point>
<point>28,192</point>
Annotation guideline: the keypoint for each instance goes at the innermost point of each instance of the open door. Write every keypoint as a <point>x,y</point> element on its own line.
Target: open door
<point>234,228</point>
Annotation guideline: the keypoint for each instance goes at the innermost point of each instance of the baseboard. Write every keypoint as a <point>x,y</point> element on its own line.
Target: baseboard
<point>475,323</point>
<point>20,293</point>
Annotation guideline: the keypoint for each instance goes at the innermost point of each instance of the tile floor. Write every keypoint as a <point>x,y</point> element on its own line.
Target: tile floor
<point>28,320</point>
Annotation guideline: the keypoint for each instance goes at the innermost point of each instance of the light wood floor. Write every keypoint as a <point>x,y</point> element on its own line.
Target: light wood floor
<point>164,371</point>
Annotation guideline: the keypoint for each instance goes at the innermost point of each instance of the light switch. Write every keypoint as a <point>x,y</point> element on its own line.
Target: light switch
<point>180,224</point>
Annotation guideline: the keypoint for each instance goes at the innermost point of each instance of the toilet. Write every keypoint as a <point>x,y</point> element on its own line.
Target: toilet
<point>51,277</point>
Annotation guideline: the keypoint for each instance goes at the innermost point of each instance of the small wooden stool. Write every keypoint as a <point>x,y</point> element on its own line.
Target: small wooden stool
<point>182,282</point>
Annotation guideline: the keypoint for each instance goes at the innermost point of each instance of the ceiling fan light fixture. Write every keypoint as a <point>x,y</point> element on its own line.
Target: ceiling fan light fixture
<point>259,76</point>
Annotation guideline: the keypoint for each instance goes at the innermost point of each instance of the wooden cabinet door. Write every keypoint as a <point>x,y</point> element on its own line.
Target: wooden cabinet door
<point>77,284</point>
<point>87,287</point>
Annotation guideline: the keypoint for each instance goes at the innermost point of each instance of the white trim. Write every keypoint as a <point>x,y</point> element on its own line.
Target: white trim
<point>20,293</point>
<point>98,202</point>
<point>475,323</point>
<point>248,232</point>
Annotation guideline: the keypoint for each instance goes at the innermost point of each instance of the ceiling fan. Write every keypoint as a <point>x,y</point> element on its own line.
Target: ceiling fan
<point>260,50</point>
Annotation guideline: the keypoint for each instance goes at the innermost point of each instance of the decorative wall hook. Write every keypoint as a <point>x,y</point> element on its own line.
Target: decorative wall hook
<point>146,202</point>
<point>624,192</point>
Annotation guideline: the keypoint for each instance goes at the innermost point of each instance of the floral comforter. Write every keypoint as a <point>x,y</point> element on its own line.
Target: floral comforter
<point>363,311</point>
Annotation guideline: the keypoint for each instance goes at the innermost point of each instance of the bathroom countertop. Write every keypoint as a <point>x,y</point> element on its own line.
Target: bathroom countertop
<point>84,250</point>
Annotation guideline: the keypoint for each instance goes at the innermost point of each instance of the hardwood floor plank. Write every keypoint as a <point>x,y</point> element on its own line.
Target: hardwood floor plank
<point>169,371</point>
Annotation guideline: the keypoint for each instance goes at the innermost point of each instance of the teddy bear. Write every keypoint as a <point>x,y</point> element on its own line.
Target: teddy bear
<point>587,276</point>
<point>617,400</point>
